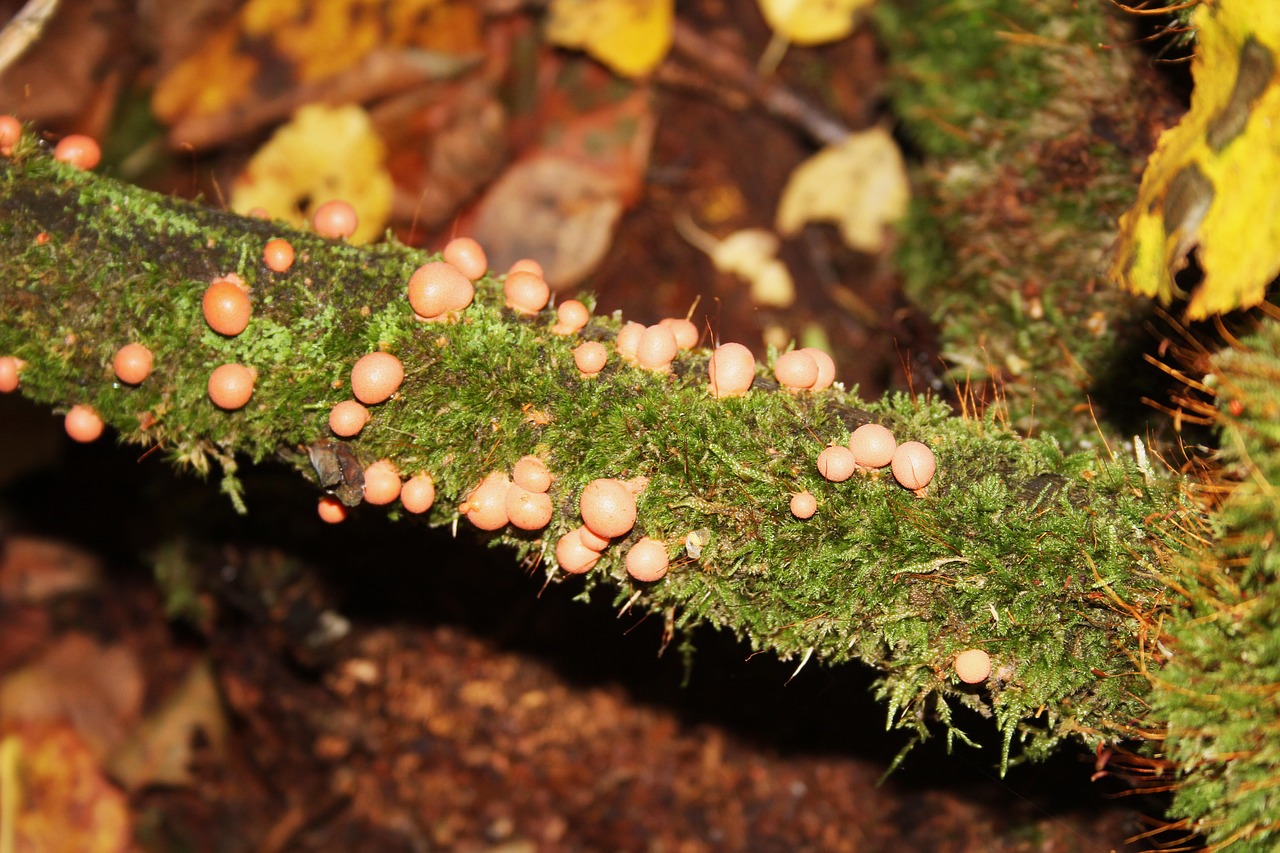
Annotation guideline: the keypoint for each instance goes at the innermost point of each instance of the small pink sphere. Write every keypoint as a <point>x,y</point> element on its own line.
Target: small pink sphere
<point>79,150</point>
<point>468,256</point>
<point>590,357</point>
<point>796,370</point>
<point>836,463</point>
<point>608,508</point>
<point>647,560</point>
<point>83,423</point>
<point>731,369</point>
<point>525,292</point>
<point>628,340</point>
<point>571,316</point>
<point>913,465</point>
<point>10,367</point>
<point>335,219</point>
<point>686,333</point>
<point>486,505</point>
<point>348,418</point>
<point>10,133</point>
<point>872,446</point>
<point>437,288</point>
<point>803,505</point>
<point>973,666</point>
<point>826,368</point>
<point>656,348</point>
<point>375,377</point>
<point>528,510</point>
<point>381,483</point>
<point>331,510</point>
<point>573,556</point>
<point>531,473</point>
<point>418,493</point>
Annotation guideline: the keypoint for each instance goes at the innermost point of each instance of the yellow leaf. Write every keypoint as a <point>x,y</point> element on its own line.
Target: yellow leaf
<point>325,153</point>
<point>812,21</point>
<point>744,252</point>
<point>1212,180</point>
<point>860,184</point>
<point>629,36</point>
<point>269,46</point>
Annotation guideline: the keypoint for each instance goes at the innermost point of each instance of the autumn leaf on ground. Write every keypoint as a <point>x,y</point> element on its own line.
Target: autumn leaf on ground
<point>560,203</point>
<point>162,749</point>
<point>807,22</point>
<point>325,153</point>
<point>1212,180</point>
<point>275,55</point>
<point>629,36</point>
<point>752,255</point>
<point>860,184</point>
<point>53,790</point>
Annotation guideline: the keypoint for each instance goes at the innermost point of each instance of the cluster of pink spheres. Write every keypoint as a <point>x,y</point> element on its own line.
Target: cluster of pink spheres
<point>438,292</point>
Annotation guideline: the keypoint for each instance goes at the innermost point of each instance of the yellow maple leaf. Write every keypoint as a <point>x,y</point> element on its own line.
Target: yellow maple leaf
<point>859,183</point>
<point>629,36</point>
<point>807,22</point>
<point>324,153</point>
<point>1212,180</point>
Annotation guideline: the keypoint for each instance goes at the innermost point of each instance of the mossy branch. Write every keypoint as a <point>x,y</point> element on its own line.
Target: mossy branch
<point>1043,559</point>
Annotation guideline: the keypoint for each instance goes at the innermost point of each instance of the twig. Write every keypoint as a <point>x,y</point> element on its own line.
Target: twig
<point>22,31</point>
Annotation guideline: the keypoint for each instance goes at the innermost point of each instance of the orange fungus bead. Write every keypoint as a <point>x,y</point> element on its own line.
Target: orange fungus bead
<point>335,219</point>
<point>418,493</point>
<point>826,368</point>
<point>331,510</point>
<point>973,666</point>
<point>608,508</point>
<point>468,256</point>
<point>803,505</point>
<point>10,367</point>
<point>590,357</point>
<point>437,288</point>
<point>732,369</point>
<point>132,363</point>
<point>10,133</point>
<point>836,463</point>
<point>591,540</point>
<point>226,307</point>
<point>573,556</point>
<point>527,265</point>
<point>531,473</point>
<point>913,465</point>
<point>231,386</point>
<point>375,377</point>
<point>278,254</point>
<point>571,316</point>
<point>647,560</point>
<point>656,348</point>
<point>83,423</point>
<point>628,339</point>
<point>686,333</point>
<point>78,150</point>
<point>796,370</point>
<point>872,446</point>
<point>381,483</point>
<point>528,510</point>
<point>486,505</point>
<point>526,292</point>
<point>348,418</point>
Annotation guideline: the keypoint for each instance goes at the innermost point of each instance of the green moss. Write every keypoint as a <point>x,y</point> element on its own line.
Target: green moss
<point>1031,147</point>
<point>1220,692</point>
<point>1017,547</point>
